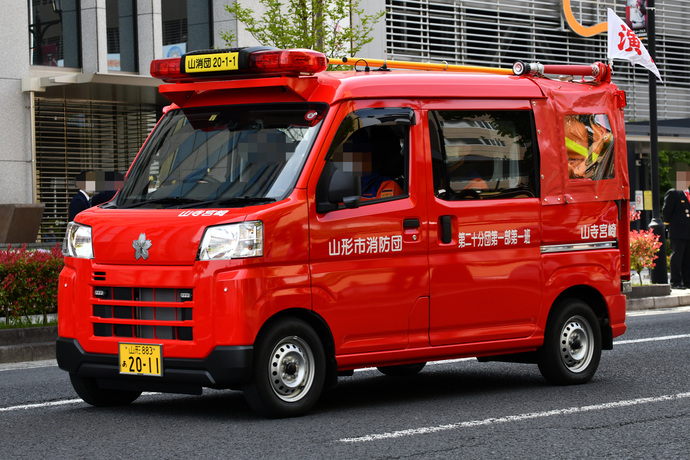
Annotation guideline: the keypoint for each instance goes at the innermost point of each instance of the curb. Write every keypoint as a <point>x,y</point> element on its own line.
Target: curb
<point>27,344</point>
<point>653,303</point>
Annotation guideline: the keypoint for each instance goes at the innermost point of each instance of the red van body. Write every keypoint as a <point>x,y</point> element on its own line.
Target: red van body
<point>207,271</point>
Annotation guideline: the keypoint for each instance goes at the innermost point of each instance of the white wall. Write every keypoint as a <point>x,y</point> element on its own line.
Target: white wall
<point>377,47</point>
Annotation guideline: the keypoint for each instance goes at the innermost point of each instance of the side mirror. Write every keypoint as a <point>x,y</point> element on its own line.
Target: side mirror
<point>336,188</point>
<point>345,188</point>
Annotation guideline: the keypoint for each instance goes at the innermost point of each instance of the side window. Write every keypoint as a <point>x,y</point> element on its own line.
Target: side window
<point>375,154</point>
<point>589,145</point>
<point>372,147</point>
<point>482,154</point>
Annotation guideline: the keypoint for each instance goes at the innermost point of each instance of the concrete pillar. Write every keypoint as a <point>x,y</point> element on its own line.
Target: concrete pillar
<point>150,27</point>
<point>94,37</point>
<point>16,157</point>
<point>223,21</point>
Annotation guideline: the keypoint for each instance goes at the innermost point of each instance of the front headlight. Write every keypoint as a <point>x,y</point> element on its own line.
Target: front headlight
<point>77,242</point>
<point>233,241</point>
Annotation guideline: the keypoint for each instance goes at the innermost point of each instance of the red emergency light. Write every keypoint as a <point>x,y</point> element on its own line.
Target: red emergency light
<point>239,62</point>
<point>289,61</point>
<point>165,68</point>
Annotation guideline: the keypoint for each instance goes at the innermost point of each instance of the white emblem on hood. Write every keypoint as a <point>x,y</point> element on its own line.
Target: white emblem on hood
<point>141,247</point>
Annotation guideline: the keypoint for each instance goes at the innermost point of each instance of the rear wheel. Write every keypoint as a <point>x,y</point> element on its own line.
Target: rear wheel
<point>87,390</point>
<point>572,344</point>
<point>402,370</point>
<point>289,370</point>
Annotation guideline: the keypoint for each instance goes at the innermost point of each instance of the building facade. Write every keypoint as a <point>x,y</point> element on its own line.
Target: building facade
<point>77,94</point>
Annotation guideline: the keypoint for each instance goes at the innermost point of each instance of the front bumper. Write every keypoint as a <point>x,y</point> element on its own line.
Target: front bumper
<point>224,367</point>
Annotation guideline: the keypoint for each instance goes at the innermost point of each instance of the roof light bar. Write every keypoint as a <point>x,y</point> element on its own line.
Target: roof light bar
<point>238,62</point>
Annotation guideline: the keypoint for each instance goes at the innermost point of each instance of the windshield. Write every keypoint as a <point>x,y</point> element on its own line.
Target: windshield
<point>223,156</point>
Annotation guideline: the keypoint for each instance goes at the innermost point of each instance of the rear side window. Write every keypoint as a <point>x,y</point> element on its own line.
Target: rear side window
<point>482,154</point>
<point>589,146</point>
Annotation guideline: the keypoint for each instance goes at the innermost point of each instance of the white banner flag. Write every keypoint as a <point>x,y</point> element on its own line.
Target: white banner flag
<point>624,44</point>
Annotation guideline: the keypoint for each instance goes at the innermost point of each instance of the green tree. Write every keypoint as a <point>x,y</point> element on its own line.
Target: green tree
<point>669,163</point>
<point>322,25</point>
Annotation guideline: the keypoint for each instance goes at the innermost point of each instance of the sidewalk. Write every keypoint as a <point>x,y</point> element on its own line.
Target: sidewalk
<point>34,344</point>
<point>677,298</point>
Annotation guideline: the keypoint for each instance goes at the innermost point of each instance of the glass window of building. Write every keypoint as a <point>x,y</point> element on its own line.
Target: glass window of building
<point>122,35</point>
<point>54,33</point>
<point>186,26</point>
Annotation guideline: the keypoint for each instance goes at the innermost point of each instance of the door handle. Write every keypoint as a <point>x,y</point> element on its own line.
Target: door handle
<point>411,223</point>
<point>446,229</point>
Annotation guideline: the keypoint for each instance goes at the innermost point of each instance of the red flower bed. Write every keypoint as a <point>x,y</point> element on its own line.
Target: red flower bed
<point>29,282</point>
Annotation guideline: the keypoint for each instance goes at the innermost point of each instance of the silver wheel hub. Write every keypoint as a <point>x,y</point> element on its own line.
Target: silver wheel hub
<point>576,348</point>
<point>291,369</point>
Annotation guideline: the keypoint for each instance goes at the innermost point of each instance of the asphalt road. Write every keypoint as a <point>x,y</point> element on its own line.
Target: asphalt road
<point>637,406</point>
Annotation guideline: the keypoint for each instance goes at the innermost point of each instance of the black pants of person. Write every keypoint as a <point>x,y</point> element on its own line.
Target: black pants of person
<point>680,262</point>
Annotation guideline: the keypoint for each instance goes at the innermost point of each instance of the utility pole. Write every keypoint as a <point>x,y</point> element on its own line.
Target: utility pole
<point>659,272</point>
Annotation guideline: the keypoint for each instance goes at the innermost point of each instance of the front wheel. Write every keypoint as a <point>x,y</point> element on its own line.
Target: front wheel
<point>289,370</point>
<point>90,392</point>
<point>572,344</point>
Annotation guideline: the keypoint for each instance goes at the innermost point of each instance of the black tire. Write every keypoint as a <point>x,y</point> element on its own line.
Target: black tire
<point>87,390</point>
<point>572,344</point>
<point>289,370</point>
<point>402,370</point>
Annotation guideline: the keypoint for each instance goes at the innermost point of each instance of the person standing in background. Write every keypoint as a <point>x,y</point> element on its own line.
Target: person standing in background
<point>86,183</point>
<point>676,214</point>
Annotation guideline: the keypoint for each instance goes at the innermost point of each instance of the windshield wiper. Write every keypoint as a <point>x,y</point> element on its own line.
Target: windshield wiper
<point>168,200</point>
<point>239,200</point>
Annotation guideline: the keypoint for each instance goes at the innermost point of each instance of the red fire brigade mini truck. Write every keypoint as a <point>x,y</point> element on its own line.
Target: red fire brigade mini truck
<point>283,225</point>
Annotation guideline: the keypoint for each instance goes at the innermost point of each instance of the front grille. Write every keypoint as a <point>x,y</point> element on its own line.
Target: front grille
<point>150,313</point>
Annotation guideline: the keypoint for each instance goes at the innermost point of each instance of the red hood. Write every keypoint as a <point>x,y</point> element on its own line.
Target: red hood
<point>172,238</point>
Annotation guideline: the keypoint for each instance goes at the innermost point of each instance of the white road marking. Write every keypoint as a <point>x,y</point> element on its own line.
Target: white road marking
<point>512,418</point>
<point>28,365</point>
<point>40,405</point>
<point>55,403</point>
<point>652,339</point>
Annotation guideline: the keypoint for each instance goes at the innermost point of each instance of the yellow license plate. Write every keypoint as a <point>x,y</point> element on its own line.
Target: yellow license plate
<point>197,63</point>
<point>141,359</point>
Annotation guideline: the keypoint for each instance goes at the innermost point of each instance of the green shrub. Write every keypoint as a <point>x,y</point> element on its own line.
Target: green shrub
<point>29,282</point>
